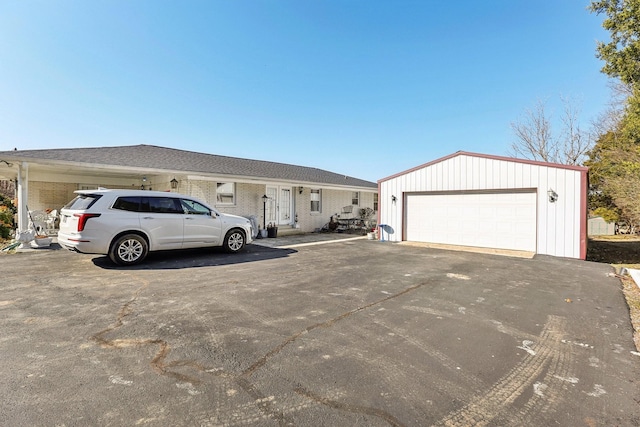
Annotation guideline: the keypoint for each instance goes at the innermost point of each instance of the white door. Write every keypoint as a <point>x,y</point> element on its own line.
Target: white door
<point>279,209</point>
<point>284,208</point>
<point>271,211</point>
<point>502,220</point>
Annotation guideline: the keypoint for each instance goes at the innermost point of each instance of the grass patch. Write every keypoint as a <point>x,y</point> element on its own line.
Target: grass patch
<point>622,251</point>
<point>632,295</point>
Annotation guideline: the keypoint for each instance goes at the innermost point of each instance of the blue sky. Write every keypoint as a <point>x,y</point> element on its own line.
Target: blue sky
<point>361,87</point>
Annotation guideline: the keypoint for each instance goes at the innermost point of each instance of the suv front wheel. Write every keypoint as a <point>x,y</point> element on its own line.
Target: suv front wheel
<point>129,249</point>
<point>234,241</point>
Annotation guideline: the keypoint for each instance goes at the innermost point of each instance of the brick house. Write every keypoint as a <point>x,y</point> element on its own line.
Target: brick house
<point>299,198</point>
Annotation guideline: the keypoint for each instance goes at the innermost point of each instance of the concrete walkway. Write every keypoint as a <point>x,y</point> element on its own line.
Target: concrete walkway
<point>309,239</point>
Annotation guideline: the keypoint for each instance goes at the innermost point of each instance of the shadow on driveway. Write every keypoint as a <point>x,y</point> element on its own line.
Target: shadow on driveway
<point>191,258</point>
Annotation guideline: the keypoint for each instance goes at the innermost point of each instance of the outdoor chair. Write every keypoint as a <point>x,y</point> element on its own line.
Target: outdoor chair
<point>39,227</point>
<point>42,223</point>
<point>346,219</point>
<point>347,212</point>
<point>51,219</point>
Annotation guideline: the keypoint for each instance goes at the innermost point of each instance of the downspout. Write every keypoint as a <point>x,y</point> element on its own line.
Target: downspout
<point>22,192</point>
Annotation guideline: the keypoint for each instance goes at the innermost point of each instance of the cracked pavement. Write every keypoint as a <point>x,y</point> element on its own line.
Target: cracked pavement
<point>347,333</point>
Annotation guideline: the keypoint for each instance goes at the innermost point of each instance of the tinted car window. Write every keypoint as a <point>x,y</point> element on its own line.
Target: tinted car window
<point>128,204</point>
<point>196,208</point>
<point>82,202</point>
<point>164,205</point>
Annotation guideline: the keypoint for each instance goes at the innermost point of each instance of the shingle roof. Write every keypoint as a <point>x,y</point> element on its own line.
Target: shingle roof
<point>155,157</point>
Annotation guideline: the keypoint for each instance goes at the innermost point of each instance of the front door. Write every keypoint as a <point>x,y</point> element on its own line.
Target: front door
<point>284,208</point>
<point>279,207</point>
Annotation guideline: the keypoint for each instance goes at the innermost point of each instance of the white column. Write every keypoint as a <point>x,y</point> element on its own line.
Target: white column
<point>23,191</point>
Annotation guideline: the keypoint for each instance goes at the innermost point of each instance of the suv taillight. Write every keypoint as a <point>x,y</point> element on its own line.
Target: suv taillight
<point>82,219</point>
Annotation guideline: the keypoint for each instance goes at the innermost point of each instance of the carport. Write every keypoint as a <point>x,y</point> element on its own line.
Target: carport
<point>483,201</point>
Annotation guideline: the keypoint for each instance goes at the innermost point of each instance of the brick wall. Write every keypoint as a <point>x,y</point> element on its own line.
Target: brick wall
<point>50,195</point>
<point>203,190</point>
<point>248,201</point>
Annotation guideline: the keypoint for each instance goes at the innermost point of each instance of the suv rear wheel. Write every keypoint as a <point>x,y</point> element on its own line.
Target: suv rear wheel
<point>234,241</point>
<point>129,249</point>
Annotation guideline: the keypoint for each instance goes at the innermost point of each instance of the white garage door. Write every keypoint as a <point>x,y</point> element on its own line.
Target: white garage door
<point>504,220</point>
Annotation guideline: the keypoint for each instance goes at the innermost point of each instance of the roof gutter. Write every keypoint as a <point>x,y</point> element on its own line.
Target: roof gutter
<point>191,174</point>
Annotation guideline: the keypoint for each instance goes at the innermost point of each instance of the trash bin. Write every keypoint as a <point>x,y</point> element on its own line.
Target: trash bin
<point>254,226</point>
<point>272,232</point>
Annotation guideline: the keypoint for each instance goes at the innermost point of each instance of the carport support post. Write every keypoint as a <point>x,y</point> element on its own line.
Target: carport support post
<point>23,190</point>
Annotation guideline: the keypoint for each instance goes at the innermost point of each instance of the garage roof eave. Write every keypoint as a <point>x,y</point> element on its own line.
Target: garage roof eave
<point>486,156</point>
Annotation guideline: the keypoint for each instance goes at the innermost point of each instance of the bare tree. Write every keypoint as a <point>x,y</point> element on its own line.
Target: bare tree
<point>533,135</point>
<point>535,139</point>
<point>610,119</point>
<point>574,142</point>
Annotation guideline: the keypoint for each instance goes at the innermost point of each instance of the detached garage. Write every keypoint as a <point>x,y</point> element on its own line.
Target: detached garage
<point>482,201</point>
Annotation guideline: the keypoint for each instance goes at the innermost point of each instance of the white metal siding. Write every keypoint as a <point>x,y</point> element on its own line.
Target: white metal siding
<point>558,224</point>
<point>505,220</point>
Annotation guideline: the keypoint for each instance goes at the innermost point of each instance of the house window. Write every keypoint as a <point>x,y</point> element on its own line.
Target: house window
<point>355,198</point>
<point>375,202</point>
<point>316,197</point>
<point>225,193</point>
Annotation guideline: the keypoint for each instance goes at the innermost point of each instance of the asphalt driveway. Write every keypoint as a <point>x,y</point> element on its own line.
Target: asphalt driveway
<point>342,334</point>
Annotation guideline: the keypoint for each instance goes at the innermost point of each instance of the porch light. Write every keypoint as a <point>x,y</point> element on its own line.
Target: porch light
<point>553,196</point>
<point>393,199</point>
<point>174,183</point>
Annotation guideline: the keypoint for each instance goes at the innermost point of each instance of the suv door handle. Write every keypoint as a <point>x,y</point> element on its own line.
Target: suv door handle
<point>147,217</point>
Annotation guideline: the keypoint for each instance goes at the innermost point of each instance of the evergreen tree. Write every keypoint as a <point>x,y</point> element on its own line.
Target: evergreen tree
<point>614,161</point>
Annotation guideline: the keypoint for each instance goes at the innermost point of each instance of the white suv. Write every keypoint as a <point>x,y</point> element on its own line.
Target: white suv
<point>128,224</point>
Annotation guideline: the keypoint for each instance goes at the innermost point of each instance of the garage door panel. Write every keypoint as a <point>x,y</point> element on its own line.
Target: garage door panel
<point>496,220</point>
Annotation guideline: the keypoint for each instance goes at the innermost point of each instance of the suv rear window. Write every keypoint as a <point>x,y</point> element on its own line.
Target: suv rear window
<point>82,202</point>
<point>148,204</point>
<point>128,204</point>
